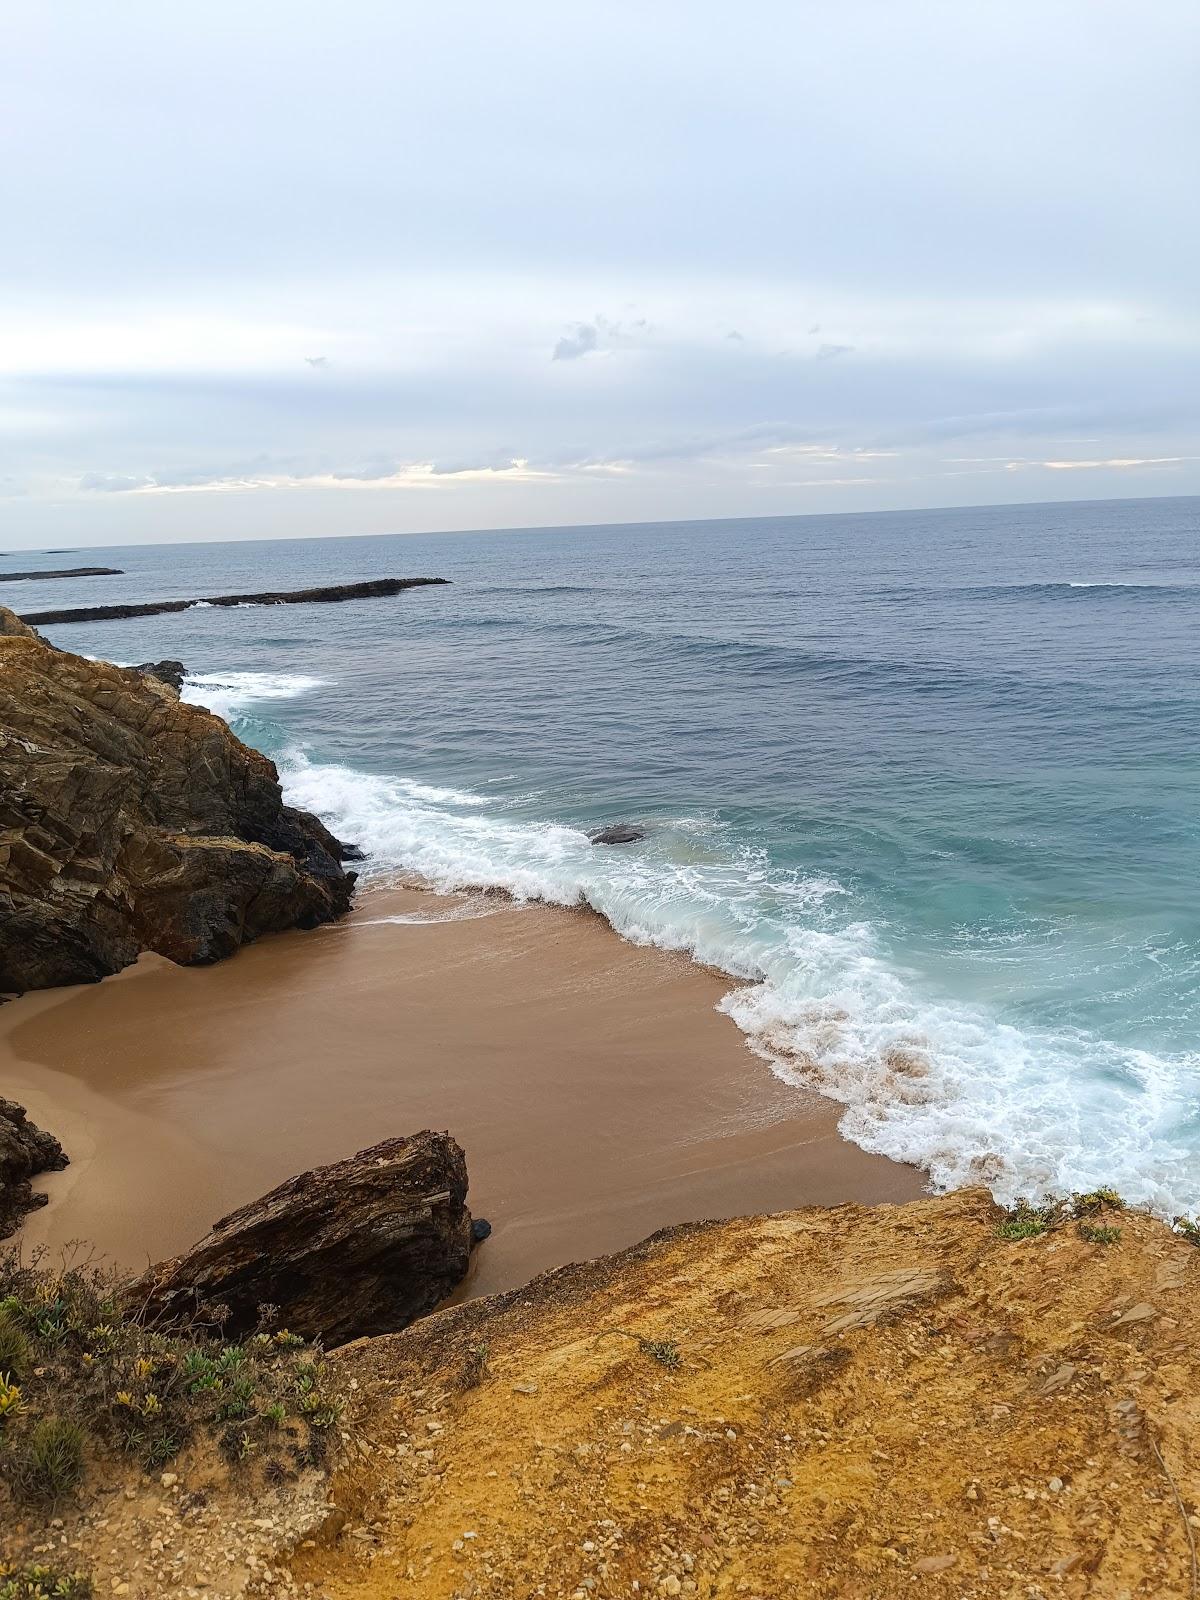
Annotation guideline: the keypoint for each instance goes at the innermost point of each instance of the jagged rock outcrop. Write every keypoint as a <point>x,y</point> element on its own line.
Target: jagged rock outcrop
<point>359,1247</point>
<point>172,673</point>
<point>11,626</point>
<point>25,1150</point>
<point>131,821</point>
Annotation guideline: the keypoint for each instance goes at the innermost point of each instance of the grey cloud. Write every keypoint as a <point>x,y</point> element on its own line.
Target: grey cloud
<point>112,483</point>
<point>625,171</point>
<point>603,333</point>
<point>580,342</point>
<point>317,361</point>
<point>830,352</point>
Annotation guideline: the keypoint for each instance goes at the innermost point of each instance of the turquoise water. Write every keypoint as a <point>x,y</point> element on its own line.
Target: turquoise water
<point>930,776</point>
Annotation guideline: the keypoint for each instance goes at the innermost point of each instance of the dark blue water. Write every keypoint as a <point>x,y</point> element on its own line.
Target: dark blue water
<point>931,776</point>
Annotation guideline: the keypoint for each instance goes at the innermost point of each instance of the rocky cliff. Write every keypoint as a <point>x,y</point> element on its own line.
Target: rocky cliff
<point>855,1404</point>
<point>130,821</point>
<point>850,1404</point>
<point>25,1151</point>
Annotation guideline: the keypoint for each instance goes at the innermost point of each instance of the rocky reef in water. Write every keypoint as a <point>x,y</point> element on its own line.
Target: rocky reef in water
<point>130,821</point>
<point>60,572</point>
<point>372,589</point>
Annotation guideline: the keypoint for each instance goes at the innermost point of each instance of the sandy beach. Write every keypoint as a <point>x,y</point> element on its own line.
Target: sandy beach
<point>597,1093</point>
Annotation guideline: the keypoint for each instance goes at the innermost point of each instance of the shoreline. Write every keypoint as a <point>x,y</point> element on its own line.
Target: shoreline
<point>598,1094</point>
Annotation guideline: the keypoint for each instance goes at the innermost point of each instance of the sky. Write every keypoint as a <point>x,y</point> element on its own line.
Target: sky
<point>276,269</point>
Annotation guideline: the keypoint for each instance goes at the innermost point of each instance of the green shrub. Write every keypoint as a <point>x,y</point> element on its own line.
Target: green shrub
<point>1187,1229</point>
<point>11,1404</point>
<point>239,1399</point>
<point>14,1347</point>
<point>1087,1205</point>
<point>474,1368</point>
<point>318,1410</point>
<point>1026,1222</point>
<point>78,1369</point>
<point>49,1459</point>
<point>1098,1235</point>
<point>43,1583</point>
<point>665,1351</point>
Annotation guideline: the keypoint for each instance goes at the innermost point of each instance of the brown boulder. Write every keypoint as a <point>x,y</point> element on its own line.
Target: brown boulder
<point>25,1150</point>
<point>131,821</point>
<point>11,626</point>
<point>360,1247</point>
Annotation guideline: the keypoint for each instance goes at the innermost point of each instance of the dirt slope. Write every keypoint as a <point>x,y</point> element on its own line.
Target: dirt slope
<point>866,1403</point>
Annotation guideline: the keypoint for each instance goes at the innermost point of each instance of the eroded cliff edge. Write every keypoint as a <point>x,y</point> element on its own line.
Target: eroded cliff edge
<point>934,1398</point>
<point>131,821</point>
<point>868,1402</point>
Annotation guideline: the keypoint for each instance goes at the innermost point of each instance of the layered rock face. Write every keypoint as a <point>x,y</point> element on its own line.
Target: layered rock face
<point>360,1247</point>
<point>25,1150</point>
<point>130,821</point>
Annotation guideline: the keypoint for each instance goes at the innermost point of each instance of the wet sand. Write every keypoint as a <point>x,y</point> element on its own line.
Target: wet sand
<point>596,1091</point>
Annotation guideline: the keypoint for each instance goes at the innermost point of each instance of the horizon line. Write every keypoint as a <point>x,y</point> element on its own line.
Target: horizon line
<point>579,527</point>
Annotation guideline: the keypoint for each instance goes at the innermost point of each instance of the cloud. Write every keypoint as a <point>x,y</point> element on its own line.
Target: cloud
<point>412,475</point>
<point>1118,463</point>
<point>830,352</point>
<point>580,342</point>
<point>317,361</point>
<point>602,334</point>
<point>111,483</point>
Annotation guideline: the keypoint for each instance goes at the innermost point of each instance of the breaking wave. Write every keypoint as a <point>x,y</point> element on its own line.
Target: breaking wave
<point>230,693</point>
<point>922,1079</point>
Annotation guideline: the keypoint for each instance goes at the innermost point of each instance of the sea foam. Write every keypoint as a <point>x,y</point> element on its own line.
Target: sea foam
<point>229,693</point>
<point>922,1078</point>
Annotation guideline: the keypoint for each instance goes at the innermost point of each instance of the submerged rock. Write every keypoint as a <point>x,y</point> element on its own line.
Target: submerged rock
<point>25,1150</point>
<point>619,833</point>
<point>60,572</point>
<point>132,821</point>
<point>360,1247</point>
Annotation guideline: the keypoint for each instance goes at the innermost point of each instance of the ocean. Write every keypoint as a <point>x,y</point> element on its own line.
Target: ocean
<point>929,777</point>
